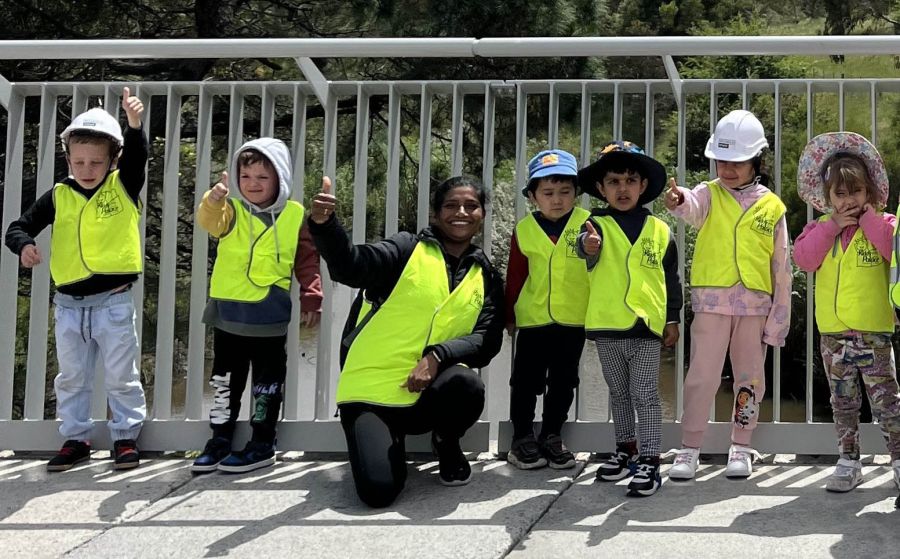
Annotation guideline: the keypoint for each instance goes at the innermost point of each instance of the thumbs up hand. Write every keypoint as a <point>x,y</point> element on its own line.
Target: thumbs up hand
<point>219,190</point>
<point>324,203</point>
<point>673,197</point>
<point>592,240</point>
<point>133,108</point>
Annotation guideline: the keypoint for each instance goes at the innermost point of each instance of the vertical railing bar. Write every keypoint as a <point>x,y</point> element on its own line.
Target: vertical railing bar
<point>617,112</point>
<point>713,119</point>
<point>36,369</point>
<point>649,121</point>
<point>299,387</point>
<point>235,124</point>
<point>9,262</point>
<point>487,180</point>
<point>679,352</point>
<point>584,158</point>
<point>810,277</point>
<point>267,113</point>
<point>337,297</point>
<point>196,371</point>
<point>424,158</point>
<point>392,201</point>
<point>776,351</point>
<point>521,175</point>
<point>873,103</point>
<point>553,117</point>
<point>138,288</point>
<point>745,99</point>
<point>841,121</point>
<point>456,149</point>
<point>361,165</point>
<point>165,331</point>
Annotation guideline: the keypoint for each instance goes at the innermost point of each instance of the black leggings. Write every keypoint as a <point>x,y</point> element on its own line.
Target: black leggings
<point>376,434</point>
<point>231,366</point>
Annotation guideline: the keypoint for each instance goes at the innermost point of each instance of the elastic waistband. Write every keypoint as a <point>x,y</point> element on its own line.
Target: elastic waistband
<point>107,298</point>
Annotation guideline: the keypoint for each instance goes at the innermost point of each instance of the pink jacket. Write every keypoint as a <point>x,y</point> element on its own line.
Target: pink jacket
<point>737,300</point>
<point>818,237</point>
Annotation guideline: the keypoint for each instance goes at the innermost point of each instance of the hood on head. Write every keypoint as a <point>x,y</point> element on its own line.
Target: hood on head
<point>278,154</point>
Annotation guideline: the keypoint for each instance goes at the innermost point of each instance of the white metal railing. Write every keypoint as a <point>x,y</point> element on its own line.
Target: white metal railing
<point>309,392</point>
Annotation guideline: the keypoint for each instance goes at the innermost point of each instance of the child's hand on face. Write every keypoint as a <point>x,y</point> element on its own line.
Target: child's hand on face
<point>672,198</point>
<point>30,256</point>
<point>592,241</point>
<point>867,208</point>
<point>133,108</point>
<point>847,215</point>
<point>219,191</point>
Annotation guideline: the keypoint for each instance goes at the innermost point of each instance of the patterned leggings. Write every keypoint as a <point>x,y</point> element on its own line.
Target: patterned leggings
<point>847,357</point>
<point>631,369</point>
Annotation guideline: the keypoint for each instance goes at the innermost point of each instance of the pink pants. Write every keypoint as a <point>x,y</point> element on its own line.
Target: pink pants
<point>712,335</point>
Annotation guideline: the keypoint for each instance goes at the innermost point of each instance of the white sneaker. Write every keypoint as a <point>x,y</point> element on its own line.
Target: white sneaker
<point>847,475</point>
<point>685,465</point>
<point>740,461</point>
<point>896,466</point>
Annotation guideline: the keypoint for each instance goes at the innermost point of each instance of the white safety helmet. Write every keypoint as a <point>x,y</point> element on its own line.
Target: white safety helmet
<point>94,122</point>
<point>739,136</point>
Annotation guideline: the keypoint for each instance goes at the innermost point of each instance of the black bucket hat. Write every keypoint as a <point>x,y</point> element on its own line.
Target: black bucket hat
<point>624,154</point>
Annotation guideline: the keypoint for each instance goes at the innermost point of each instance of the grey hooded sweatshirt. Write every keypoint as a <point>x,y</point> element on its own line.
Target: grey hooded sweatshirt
<point>269,317</point>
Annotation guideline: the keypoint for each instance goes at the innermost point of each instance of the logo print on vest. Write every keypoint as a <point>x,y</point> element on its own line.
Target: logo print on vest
<point>477,300</point>
<point>867,255</point>
<point>650,254</point>
<point>570,237</point>
<point>108,204</point>
<point>763,223</point>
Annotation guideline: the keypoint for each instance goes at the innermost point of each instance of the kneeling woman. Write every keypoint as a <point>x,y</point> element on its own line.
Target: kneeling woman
<point>429,308</point>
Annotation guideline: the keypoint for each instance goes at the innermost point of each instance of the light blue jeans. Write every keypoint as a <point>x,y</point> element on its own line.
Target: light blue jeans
<point>88,329</point>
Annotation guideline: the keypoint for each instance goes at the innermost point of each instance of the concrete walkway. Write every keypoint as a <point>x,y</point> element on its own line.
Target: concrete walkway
<point>307,508</point>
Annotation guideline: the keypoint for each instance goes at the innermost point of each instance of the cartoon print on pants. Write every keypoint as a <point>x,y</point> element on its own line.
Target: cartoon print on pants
<point>745,406</point>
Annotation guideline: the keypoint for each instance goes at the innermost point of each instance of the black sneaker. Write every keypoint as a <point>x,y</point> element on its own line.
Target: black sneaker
<point>72,452</point>
<point>618,466</point>
<point>257,454</point>
<point>557,455</point>
<point>453,468</point>
<point>126,454</point>
<point>216,450</point>
<point>646,480</point>
<point>525,454</point>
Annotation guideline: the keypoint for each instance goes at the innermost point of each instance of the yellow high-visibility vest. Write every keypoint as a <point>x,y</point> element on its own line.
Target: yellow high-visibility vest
<point>848,285</point>
<point>734,245</point>
<point>628,283</point>
<point>250,260</point>
<point>420,311</point>
<point>100,235</point>
<point>556,289</point>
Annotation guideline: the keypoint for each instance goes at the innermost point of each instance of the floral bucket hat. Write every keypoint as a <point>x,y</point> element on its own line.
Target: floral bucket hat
<point>821,150</point>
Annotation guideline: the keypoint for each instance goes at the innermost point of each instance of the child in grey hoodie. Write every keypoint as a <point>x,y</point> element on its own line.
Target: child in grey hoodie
<point>262,242</point>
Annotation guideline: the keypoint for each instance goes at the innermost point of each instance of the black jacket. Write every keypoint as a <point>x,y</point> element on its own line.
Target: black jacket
<point>375,269</point>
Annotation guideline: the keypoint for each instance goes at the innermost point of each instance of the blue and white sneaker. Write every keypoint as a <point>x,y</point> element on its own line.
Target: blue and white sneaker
<point>256,455</point>
<point>618,466</point>
<point>216,450</point>
<point>646,480</point>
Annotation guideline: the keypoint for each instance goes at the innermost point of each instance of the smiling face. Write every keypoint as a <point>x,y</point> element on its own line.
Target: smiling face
<point>89,162</point>
<point>734,174</point>
<point>460,215</point>
<point>622,190</point>
<point>259,183</point>
<point>848,185</point>
<point>554,196</point>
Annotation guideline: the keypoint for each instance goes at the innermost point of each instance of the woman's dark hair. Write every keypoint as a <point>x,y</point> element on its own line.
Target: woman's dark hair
<point>440,193</point>
<point>758,170</point>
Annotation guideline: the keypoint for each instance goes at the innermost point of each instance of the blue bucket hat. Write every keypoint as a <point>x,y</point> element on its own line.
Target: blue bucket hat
<point>551,162</point>
<point>628,155</point>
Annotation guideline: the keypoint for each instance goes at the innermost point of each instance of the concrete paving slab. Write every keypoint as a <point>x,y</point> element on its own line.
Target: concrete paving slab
<point>772,514</point>
<point>298,508</point>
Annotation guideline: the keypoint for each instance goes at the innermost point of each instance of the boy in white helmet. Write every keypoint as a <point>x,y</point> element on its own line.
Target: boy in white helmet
<point>95,257</point>
<point>740,287</point>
